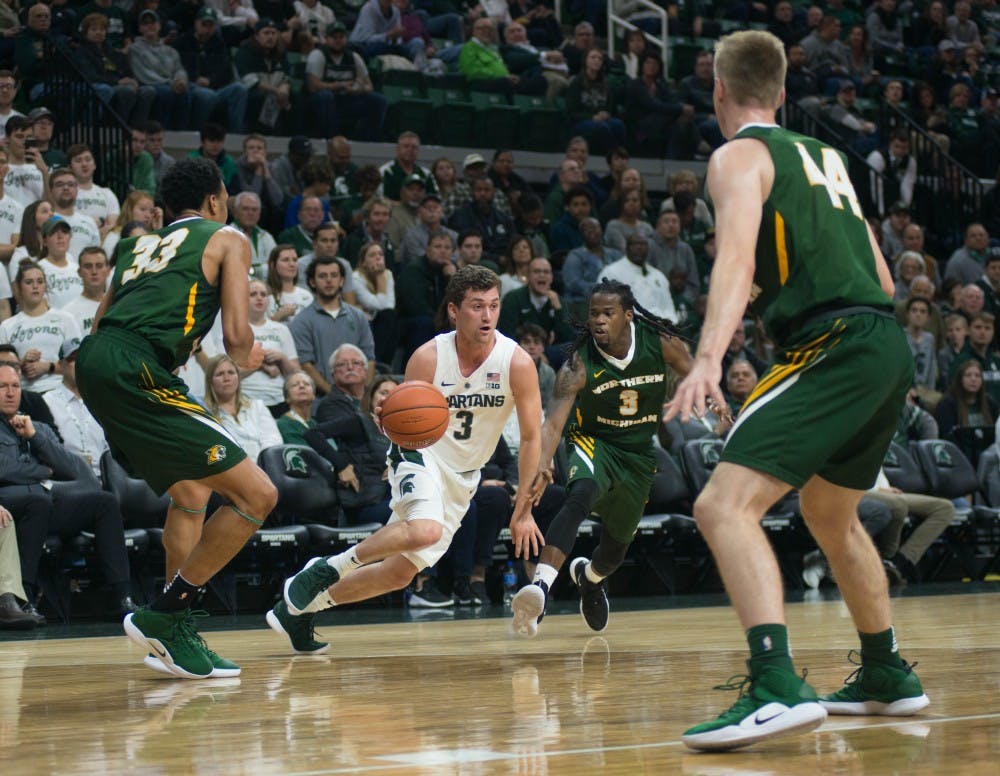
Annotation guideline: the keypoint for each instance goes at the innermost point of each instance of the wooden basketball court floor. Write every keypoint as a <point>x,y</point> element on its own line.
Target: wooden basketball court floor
<point>467,697</point>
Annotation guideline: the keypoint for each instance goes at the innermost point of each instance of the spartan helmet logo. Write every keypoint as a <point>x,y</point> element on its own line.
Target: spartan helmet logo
<point>294,462</point>
<point>406,485</point>
<point>941,456</point>
<point>709,453</point>
<point>216,453</point>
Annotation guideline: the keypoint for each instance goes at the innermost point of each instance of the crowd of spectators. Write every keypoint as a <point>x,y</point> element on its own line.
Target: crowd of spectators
<point>350,262</point>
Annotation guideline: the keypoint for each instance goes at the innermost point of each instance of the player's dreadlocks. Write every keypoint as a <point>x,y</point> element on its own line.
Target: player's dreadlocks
<point>639,313</point>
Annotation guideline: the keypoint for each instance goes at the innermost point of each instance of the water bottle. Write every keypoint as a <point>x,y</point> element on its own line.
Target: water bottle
<point>509,583</point>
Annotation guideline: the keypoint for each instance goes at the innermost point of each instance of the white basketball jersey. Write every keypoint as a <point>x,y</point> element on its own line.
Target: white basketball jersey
<point>480,403</point>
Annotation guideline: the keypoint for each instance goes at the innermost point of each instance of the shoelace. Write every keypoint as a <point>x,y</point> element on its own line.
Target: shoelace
<point>854,658</point>
<point>189,630</point>
<point>741,681</point>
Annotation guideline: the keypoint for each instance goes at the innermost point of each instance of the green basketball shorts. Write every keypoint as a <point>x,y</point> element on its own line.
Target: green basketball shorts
<point>828,406</point>
<point>623,478</point>
<point>154,428</point>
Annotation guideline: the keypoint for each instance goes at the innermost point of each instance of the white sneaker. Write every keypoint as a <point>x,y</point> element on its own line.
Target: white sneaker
<point>528,606</point>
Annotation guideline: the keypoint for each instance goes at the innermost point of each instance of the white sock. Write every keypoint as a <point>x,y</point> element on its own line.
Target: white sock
<point>546,573</point>
<point>323,601</point>
<point>589,573</point>
<point>346,563</point>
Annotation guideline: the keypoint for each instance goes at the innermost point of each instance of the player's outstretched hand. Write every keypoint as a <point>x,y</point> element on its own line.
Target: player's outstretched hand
<point>698,391</point>
<point>525,534</point>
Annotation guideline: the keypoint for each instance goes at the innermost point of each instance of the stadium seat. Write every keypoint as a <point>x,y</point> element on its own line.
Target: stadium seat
<point>302,477</point>
<point>903,471</point>
<point>141,507</point>
<point>949,474</point>
<point>408,109</point>
<point>543,127</point>
<point>698,458</point>
<point>670,491</point>
<point>454,115</point>
<point>497,123</point>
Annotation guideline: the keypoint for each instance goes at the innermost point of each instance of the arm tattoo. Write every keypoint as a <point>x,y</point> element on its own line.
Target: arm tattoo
<point>568,380</point>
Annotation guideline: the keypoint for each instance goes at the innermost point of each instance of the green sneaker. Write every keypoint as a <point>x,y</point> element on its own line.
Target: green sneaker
<point>297,628</point>
<point>173,638</point>
<point>221,667</point>
<point>877,689</point>
<point>300,590</point>
<point>777,703</point>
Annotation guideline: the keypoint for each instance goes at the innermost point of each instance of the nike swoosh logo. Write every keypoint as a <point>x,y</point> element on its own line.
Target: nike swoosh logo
<point>757,720</point>
<point>446,385</point>
<point>161,652</point>
<point>599,373</point>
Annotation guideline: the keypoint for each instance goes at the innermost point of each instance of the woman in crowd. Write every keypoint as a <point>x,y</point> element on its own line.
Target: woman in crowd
<point>49,329</point>
<point>138,206</point>
<point>248,420</point>
<point>287,299</point>
<point>519,254</point>
<point>62,278</point>
<point>453,192</point>
<point>376,291</point>
<point>29,239</point>
<point>908,266</point>
<point>860,64</point>
<point>630,221</point>
<point>300,393</point>
<point>590,103</point>
<point>966,402</point>
<point>629,180</point>
<point>280,356</point>
<point>662,122</point>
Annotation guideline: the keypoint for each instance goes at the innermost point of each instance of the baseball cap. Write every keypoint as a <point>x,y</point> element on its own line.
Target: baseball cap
<point>264,23</point>
<point>300,144</point>
<point>333,27</point>
<point>17,122</point>
<point>207,14</point>
<point>947,45</point>
<point>472,159</point>
<point>899,207</point>
<point>846,84</point>
<point>41,113</point>
<point>413,178</point>
<point>55,223</point>
<point>430,196</point>
<point>149,15</point>
<point>69,347</point>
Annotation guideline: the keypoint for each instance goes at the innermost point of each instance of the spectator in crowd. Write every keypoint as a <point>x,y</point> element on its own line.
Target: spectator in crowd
<point>29,237</point>
<point>247,419</point>
<point>927,29</point>
<point>519,255</point>
<point>425,281</point>
<point>300,394</point>
<point>899,172</point>
<point>8,93</point>
<point>979,348</point>
<point>80,432</point>
<point>482,215</point>
<point>568,175</point>
<point>98,202</point>
<point>971,301</point>
<point>629,180</point>
<point>583,265</point>
<point>575,49</point>
<point>474,168</point>
<point>236,18</point>
<point>694,231</point>
<point>379,30</point>
<point>83,228</point>
<point>966,264</point>
<point>921,341</point>
<point>108,71</point>
<point>739,348</point>
<point>785,25</point>
<point>696,90</point>
<point>340,89</point>
<point>431,217</point>
<point>802,87</point>
<point>62,282</point>
<point>287,299</point>
<point>12,614</point>
<point>32,403</point>
<point>313,17</point>
<point>156,64</point>
<point>741,379</point>
<point>967,403</point>
<point>885,31</point>
<point>617,160</point>
<point>359,460</point>
<point>630,221</point>
<point>404,166</point>
<point>649,285</point>
<point>162,161</point>
<point>11,213</point>
<point>908,266</point>
<point>27,178</point>
<point>663,124</point>
<point>342,166</point>
<point>505,179</point>
<point>310,215</point>
<point>861,63</point>
<point>480,62</point>
<point>961,27</point>
<point>963,126</point>
<point>114,20</point>
<point>590,104</point>
<point>921,287</point>
<point>328,323</point>
<point>686,180</point>
<point>928,115</point>
<point>530,222</point>
<point>94,271</point>
<point>913,240</point>
<point>280,357</point>
<point>326,245</point>
<point>246,210</point>
<point>375,219</point>
<point>524,60</point>
<point>532,338</point>
<point>957,331</point>
<point>565,232</point>
<point>403,214</point>
<point>287,168</point>
<point>29,50</point>
<point>853,128</point>
<point>578,149</point>
<point>375,288</point>
<point>667,252</point>
<point>635,48</point>
<point>263,66</point>
<point>470,252</point>
<point>213,146</point>
<point>138,206</point>
<point>253,175</point>
<point>538,303</point>
<point>316,182</point>
<point>826,55</point>
<point>454,192</point>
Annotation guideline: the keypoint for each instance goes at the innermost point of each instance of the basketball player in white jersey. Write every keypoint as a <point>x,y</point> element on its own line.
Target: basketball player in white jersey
<point>484,376</point>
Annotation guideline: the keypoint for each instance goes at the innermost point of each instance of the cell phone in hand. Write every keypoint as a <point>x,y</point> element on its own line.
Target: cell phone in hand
<point>30,142</point>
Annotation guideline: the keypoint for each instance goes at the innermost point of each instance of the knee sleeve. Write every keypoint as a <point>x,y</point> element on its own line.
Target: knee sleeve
<point>580,500</point>
<point>609,555</point>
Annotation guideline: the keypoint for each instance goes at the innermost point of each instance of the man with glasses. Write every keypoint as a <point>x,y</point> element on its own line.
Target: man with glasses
<point>27,180</point>
<point>83,228</point>
<point>8,92</point>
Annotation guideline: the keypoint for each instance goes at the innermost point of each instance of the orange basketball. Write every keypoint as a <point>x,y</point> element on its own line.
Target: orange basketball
<point>415,415</point>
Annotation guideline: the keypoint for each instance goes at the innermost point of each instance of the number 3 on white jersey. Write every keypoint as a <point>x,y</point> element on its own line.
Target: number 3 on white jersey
<point>833,178</point>
<point>153,253</point>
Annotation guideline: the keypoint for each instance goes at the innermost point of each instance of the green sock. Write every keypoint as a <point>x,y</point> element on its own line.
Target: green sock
<point>880,648</point>
<point>769,647</point>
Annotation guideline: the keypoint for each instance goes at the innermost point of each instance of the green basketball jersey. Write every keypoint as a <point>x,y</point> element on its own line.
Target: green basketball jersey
<point>160,292</point>
<point>813,250</point>
<point>623,406</point>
